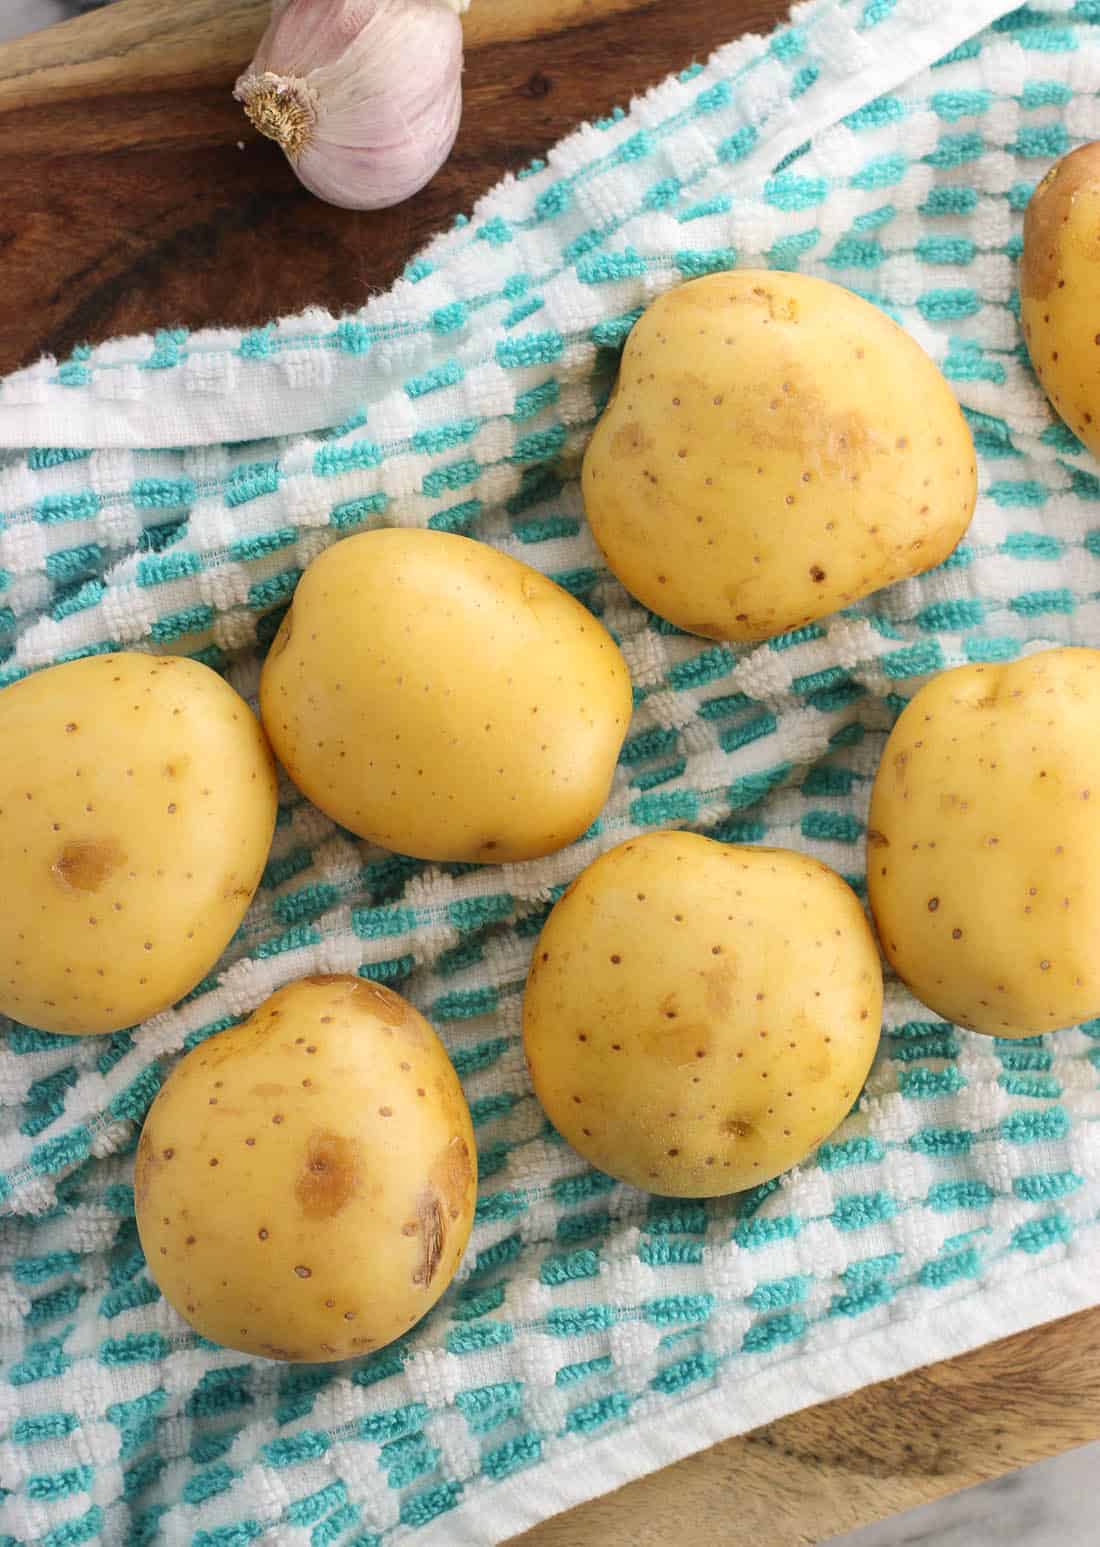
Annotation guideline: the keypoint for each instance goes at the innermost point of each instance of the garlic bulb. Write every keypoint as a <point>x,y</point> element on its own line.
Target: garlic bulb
<point>364,96</point>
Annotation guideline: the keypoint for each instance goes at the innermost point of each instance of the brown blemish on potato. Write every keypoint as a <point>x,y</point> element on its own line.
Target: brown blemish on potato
<point>877,840</point>
<point>817,1068</point>
<point>451,1175</point>
<point>782,309</point>
<point>362,994</point>
<point>84,864</point>
<point>803,422</point>
<point>736,1128</point>
<point>331,1174</point>
<point>630,441</point>
<point>433,1234</point>
<point>718,986</point>
<point>282,638</point>
<point>1048,213</point>
<point>145,1164</point>
<point>389,1007</point>
<point>381,1001</point>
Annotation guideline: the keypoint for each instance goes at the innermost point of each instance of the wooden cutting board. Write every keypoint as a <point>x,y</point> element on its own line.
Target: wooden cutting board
<point>136,195</point>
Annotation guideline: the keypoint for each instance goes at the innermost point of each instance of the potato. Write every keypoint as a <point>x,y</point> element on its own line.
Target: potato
<point>306,1182</point>
<point>698,1016</point>
<point>1058,289</point>
<point>137,804</point>
<point>984,844</point>
<point>775,448</point>
<point>441,699</point>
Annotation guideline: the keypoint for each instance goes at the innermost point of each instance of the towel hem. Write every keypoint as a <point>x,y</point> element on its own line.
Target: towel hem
<point>578,1475</point>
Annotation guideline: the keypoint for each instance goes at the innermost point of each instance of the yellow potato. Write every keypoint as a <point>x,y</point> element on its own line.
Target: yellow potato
<point>441,699</point>
<point>775,449</point>
<point>1059,273</point>
<point>698,1016</point>
<point>306,1182</point>
<point>983,853</point>
<point>137,804</point>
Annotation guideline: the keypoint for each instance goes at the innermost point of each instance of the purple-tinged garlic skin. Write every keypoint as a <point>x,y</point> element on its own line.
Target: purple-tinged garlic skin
<point>363,96</point>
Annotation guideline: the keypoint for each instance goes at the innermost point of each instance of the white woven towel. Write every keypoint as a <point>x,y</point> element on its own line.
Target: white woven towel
<point>165,492</point>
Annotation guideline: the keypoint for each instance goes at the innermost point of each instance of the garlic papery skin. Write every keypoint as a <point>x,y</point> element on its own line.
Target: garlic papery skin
<point>364,96</point>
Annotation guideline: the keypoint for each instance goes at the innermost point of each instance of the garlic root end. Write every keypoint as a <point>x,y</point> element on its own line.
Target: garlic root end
<point>280,107</point>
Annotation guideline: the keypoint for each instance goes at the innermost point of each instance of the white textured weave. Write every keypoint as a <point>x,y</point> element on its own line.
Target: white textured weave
<point>593,1334</point>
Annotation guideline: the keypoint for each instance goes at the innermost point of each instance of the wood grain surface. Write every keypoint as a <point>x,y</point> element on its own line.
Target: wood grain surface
<point>135,196</point>
<point>844,1464</point>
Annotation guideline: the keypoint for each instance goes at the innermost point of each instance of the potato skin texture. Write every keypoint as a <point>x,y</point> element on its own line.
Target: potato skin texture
<point>137,804</point>
<point>983,850</point>
<point>1059,276</point>
<point>700,1016</point>
<point>775,448</point>
<point>306,1182</point>
<point>443,700</point>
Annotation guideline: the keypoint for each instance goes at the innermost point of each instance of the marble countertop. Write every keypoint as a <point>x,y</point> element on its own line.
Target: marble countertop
<point>20,16</point>
<point>1051,1504</point>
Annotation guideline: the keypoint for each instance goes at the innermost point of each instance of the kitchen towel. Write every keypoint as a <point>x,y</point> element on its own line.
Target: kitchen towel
<point>166,492</point>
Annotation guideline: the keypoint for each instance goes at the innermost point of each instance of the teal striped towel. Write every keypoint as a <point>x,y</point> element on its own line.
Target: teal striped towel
<point>166,493</point>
